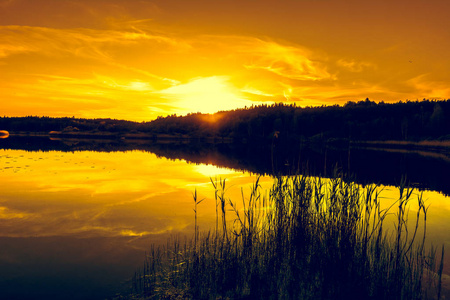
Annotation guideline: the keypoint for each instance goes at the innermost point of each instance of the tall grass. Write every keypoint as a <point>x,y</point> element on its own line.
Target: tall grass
<point>306,239</point>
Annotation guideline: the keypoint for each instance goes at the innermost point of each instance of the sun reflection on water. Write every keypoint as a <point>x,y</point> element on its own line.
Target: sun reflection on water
<point>111,204</point>
<point>130,193</point>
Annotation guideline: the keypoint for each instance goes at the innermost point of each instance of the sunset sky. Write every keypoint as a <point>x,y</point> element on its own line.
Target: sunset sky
<point>138,59</point>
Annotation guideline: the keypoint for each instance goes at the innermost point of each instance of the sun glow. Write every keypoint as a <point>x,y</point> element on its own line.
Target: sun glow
<point>123,61</point>
<point>212,170</point>
<point>139,86</point>
<point>206,95</point>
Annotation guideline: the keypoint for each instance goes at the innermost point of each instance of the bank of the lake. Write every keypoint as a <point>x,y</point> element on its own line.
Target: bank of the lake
<point>437,146</point>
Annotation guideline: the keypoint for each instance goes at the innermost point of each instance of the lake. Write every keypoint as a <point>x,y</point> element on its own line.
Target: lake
<point>77,217</point>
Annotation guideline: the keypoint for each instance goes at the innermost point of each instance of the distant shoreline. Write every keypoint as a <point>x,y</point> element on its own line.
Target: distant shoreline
<point>431,145</point>
<point>101,135</point>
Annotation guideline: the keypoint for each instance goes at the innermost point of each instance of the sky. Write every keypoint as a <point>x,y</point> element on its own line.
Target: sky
<point>140,59</point>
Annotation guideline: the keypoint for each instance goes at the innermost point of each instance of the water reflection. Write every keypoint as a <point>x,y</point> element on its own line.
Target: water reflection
<point>96,194</point>
<point>77,222</point>
<point>425,170</point>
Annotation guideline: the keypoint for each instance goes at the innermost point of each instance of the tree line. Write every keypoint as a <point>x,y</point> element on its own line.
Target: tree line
<point>363,120</point>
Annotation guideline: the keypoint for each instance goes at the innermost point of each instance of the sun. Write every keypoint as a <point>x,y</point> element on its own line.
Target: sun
<point>206,95</point>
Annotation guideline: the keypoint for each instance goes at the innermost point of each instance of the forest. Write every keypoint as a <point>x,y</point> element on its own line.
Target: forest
<point>356,121</point>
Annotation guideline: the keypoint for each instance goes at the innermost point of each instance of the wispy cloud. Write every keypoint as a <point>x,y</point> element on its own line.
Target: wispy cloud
<point>355,66</point>
<point>88,43</point>
<point>7,214</point>
<point>8,49</point>
<point>294,62</point>
<point>425,87</point>
<point>136,69</point>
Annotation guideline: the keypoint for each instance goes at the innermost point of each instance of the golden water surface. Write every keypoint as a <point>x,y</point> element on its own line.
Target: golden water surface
<point>81,214</point>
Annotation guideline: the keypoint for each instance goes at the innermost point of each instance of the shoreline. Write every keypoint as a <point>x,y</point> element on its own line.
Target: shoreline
<point>431,145</point>
<point>428,145</point>
<point>425,145</point>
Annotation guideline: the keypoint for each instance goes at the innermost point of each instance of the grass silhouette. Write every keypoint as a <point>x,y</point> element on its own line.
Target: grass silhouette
<point>307,238</point>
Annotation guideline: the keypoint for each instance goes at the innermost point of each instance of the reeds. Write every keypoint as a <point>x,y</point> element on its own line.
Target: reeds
<point>306,239</point>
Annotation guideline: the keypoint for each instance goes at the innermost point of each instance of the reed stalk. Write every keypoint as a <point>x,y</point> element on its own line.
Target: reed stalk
<point>307,238</point>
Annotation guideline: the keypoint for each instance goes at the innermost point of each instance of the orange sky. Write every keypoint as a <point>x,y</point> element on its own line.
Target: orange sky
<point>137,59</point>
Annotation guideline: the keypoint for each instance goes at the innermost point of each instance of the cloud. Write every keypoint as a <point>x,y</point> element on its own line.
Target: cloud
<point>425,87</point>
<point>7,50</point>
<point>139,71</point>
<point>88,43</point>
<point>7,214</point>
<point>354,66</point>
<point>251,90</point>
<point>192,69</point>
<point>75,14</point>
<point>293,62</point>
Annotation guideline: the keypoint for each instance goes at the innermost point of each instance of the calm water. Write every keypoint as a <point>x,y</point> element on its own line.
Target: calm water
<point>75,223</point>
